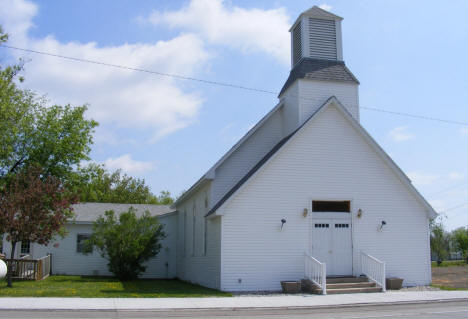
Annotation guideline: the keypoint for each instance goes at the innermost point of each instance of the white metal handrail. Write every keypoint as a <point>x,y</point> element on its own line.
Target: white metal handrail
<point>316,272</point>
<point>374,269</point>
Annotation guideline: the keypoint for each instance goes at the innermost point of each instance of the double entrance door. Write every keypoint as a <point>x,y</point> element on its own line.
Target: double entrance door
<point>332,242</point>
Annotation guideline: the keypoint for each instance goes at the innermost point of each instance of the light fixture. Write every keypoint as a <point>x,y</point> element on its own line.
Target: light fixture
<point>382,224</point>
<point>305,212</point>
<point>359,213</point>
<point>283,221</point>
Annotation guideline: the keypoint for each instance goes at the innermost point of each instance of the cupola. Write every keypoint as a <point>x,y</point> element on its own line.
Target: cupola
<point>316,34</point>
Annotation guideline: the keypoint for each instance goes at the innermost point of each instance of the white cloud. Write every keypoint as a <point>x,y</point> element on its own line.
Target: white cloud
<point>325,6</point>
<point>400,134</point>
<point>129,165</point>
<point>118,98</point>
<point>250,30</point>
<point>455,176</point>
<point>422,179</point>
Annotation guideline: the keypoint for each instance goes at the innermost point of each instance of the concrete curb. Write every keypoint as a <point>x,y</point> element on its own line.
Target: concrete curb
<point>200,309</point>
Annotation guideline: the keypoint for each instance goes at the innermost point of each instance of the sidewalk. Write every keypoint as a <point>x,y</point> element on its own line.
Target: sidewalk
<point>278,301</point>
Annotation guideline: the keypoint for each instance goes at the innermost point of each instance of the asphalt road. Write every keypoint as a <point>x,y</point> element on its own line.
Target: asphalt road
<point>439,310</point>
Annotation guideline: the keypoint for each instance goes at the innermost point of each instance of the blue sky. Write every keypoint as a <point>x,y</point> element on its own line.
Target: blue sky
<point>410,56</point>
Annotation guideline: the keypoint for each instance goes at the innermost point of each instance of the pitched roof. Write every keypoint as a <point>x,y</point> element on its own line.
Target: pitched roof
<point>89,212</point>
<point>320,70</point>
<point>211,172</point>
<point>318,13</point>
<point>331,101</point>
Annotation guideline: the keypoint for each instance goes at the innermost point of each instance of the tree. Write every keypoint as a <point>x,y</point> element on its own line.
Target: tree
<point>95,184</point>
<point>55,137</point>
<point>440,241</point>
<point>33,208</point>
<point>126,242</point>
<point>460,239</point>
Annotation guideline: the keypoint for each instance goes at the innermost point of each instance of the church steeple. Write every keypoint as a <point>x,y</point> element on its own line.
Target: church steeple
<point>316,34</point>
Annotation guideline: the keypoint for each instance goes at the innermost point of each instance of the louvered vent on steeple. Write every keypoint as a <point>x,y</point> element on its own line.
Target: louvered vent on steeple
<point>297,49</point>
<point>316,34</point>
<point>322,39</point>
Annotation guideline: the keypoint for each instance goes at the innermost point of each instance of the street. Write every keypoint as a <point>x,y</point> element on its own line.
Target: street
<point>453,309</point>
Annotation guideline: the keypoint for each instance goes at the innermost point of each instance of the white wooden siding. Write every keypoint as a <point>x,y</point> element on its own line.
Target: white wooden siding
<point>67,261</point>
<point>247,155</point>
<point>313,94</point>
<point>326,159</point>
<point>201,263</point>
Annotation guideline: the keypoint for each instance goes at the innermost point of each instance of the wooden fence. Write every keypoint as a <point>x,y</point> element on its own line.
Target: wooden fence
<point>30,269</point>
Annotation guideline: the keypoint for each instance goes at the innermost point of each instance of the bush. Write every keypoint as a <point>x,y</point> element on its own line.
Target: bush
<point>127,242</point>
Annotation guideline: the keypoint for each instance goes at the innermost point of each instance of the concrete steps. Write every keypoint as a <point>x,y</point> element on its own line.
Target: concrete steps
<point>343,285</point>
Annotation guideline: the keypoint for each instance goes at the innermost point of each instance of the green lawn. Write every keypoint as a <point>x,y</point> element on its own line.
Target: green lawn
<point>104,287</point>
<point>450,263</point>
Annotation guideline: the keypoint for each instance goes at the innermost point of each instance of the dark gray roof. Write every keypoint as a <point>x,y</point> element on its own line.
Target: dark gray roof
<point>264,160</point>
<point>249,173</point>
<point>321,70</point>
<point>89,212</point>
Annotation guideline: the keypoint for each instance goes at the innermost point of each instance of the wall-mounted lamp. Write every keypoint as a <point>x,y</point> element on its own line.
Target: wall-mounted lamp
<point>283,221</point>
<point>382,224</point>
<point>359,213</point>
<point>305,212</point>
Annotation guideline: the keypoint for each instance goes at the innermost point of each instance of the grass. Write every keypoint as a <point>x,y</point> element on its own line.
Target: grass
<point>442,287</point>
<point>105,287</point>
<point>450,263</point>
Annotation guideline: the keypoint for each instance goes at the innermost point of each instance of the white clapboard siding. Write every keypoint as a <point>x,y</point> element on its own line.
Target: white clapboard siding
<point>322,39</point>
<point>194,263</point>
<point>67,261</point>
<point>247,155</point>
<point>313,94</point>
<point>326,159</point>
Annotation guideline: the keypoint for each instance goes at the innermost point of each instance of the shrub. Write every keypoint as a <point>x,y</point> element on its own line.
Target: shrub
<point>127,242</point>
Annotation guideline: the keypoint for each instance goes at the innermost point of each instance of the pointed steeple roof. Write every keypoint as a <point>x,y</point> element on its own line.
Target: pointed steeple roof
<point>318,13</point>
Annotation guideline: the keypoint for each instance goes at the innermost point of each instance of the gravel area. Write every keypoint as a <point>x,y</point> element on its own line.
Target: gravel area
<point>454,277</point>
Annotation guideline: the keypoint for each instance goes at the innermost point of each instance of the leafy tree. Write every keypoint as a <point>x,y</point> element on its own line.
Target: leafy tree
<point>440,241</point>
<point>33,208</point>
<point>95,184</point>
<point>39,146</point>
<point>126,242</point>
<point>460,239</point>
<point>55,137</point>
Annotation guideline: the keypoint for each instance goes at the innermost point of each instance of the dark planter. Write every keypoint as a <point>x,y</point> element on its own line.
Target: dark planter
<point>394,283</point>
<point>291,287</point>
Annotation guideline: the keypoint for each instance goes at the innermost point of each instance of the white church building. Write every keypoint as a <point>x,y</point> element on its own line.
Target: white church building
<point>305,194</point>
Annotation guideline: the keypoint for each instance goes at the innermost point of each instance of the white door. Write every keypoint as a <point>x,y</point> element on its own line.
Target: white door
<point>331,243</point>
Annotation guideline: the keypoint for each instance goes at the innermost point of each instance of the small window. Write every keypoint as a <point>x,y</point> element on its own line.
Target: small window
<point>25,247</point>
<point>321,206</point>
<point>341,225</point>
<point>322,225</point>
<point>80,241</point>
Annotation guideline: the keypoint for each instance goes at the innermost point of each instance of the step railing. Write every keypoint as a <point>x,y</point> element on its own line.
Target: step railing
<point>374,269</point>
<point>316,272</point>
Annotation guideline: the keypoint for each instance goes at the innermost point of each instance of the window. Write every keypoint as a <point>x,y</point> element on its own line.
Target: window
<point>322,225</point>
<point>80,241</point>
<point>194,224</point>
<point>321,206</point>
<point>205,226</point>
<point>25,247</point>
<point>184,225</point>
<point>341,225</point>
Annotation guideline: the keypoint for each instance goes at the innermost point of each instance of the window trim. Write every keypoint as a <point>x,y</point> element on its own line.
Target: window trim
<point>344,202</point>
<point>80,245</point>
<point>28,246</point>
